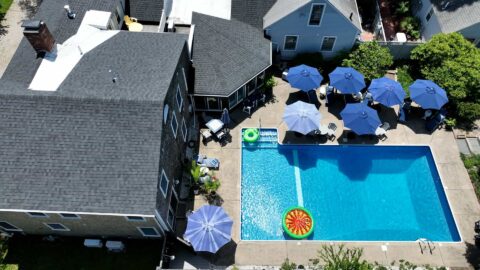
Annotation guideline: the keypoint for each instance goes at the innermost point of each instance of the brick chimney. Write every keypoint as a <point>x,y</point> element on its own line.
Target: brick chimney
<point>38,35</point>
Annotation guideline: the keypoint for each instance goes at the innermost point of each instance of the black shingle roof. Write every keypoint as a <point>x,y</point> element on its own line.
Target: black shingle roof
<point>226,54</point>
<point>251,11</point>
<point>146,10</point>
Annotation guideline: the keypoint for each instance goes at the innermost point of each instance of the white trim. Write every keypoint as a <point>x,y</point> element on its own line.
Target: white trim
<point>168,215</point>
<point>64,217</point>
<point>184,134</point>
<point>160,221</point>
<point>285,40</point>
<point>321,17</point>
<point>144,235</point>
<point>135,220</point>
<point>71,212</point>
<point>160,184</point>
<point>66,229</point>
<point>174,116</point>
<point>333,46</point>
<point>177,94</point>
<point>10,230</point>
<point>185,79</point>
<point>165,113</point>
<point>31,214</point>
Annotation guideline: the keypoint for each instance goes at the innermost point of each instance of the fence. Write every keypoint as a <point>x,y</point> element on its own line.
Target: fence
<point>400,50</point>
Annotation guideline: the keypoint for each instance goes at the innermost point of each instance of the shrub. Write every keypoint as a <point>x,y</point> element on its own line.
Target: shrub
<point>404,78</point>
<point>411,26</point>
<point>370,59</point>
<point>288,265</point>
<point>340,257</point>
<point>403,8</point>
<point>195,171</point>
<point>472,163</point>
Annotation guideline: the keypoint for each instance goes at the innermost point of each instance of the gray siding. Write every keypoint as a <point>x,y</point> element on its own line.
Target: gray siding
<point>472,32</point>
<point>87,226</point>
<point>310,38</point>
<point>431,28</point>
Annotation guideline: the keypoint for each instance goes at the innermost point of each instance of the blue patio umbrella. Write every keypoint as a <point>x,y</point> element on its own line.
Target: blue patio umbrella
<point>387,91</point>
<point>302,117</point>
<point>208,229</point>
<point>304,77</point>
<point>347,80</point>
<point>428,94</point>
<point>360,118</point>
<point>225,118</point>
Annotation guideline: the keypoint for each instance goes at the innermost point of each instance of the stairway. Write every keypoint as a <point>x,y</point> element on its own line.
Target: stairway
<point>469,146</point>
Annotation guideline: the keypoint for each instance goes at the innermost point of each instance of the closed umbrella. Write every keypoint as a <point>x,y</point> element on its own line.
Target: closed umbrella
<point>347,80</point>
<point>304,77</point>
<point>225,118</point>
<point>360,118</point>
<point>208,229</point>
<point>428,94</point>
<point>302,117</point>
<point>387,91</point>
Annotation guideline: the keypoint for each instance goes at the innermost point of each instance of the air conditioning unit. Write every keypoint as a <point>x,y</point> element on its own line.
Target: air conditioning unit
<point>170,26</point>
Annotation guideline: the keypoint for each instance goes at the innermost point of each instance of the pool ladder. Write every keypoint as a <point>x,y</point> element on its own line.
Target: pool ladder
<point>424,243</point>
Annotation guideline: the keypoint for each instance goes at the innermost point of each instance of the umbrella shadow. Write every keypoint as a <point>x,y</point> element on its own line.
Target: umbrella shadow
<point>336,104</point>
<point>353,165</point>
<point>225,256</point>
<point>387,114</point>
<point>303,96</point>
<point>349,137</point>
<point>305,161</point>
<point>415,122</point>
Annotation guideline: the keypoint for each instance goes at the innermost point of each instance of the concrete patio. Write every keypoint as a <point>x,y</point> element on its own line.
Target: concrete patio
<point>458,187</point>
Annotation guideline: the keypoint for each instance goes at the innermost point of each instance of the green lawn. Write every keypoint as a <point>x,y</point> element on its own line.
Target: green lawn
<point>69,253</point>
<point>4,5</point>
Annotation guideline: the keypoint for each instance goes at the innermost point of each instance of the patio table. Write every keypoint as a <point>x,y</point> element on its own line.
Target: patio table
<point>323,130</point>
<point>214,125</point>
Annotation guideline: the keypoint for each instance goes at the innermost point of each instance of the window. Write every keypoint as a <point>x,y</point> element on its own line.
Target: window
<point>171,217</point>
<point>184,130</point>
<point>232,100</point>
<point>9,227</point>
<point>251,86</point>
<point>429,14</point>
<point>69,216</point>
<point>260,79</point>
<point>290,43</point>
<point>174,124</point>
<point>316,14</point>
<point>328,43</point>
<point>37,214</point>
<point>179,98</point>
<point>148,231</point>
<point>57,227</point>
<point>240,94</point>
<point>163,183</point>
<point>213,103</point>
<point>165,113</point>
<point>135,218</point>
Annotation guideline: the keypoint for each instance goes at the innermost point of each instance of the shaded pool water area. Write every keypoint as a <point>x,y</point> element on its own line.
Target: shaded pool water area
<point>355,193</point>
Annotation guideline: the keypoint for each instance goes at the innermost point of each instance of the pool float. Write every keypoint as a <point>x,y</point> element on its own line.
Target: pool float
<point>251,135</point>
<point>298,222</point>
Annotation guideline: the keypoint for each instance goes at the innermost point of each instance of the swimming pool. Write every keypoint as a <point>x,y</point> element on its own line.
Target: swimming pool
<point>355,193</point>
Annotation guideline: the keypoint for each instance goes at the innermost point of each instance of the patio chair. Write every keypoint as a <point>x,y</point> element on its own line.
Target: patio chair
<point>212,163</point>
<point>132,24</point>
<point>330,95</point>
<point>332,127</point>
<point>206,136</point>
<point>435,122</point>
<point>247,106</point>
<point>382,135</point>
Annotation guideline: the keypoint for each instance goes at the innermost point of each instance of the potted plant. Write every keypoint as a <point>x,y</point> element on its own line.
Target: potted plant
<point>450,123</point>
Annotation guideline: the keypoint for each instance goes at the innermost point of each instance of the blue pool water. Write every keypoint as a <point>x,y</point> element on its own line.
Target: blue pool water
<point>355,193</point>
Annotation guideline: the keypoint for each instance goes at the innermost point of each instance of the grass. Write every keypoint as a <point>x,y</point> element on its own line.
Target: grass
<point>69,253</point>
<point>404,77</point>
<point>4,6</point>
<point>472,163</point>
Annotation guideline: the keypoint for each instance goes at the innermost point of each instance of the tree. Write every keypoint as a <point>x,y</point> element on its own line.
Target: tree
<point>370,59</point>
<point>3,252</point>
<point>453,63</point>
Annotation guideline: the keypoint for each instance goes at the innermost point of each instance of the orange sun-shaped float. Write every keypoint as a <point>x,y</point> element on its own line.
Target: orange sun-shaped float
<point>298,222</point>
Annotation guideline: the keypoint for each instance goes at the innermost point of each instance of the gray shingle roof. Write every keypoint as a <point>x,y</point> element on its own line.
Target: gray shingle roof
<point>146,10</point>
<point>251,11</point>
<point>349,9</point>
<point>456,15</point>
<point>226,54</point>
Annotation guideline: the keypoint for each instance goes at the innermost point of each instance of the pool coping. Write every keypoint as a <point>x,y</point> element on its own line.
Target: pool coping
<point>452,212</point>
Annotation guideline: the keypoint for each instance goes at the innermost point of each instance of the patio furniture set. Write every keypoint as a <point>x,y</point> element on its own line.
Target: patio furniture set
<point>252,102</point>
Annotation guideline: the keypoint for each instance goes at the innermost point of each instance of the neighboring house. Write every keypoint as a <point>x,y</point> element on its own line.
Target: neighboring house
<point>461,16</point>
<point>325,26</point>
<point>93,135</point>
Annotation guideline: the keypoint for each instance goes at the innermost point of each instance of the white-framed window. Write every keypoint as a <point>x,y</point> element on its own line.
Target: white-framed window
<point>165,113</point>
<point>232,100</point>
<point>184,129</point>
<point>179,98</point>
<point>316,14</point>
<point>57,227</point>
<point>429,14</point>
<point>69,216</point>
<point>328,43</point>
<point>174,124</point>
<point>135,218</point>
<point>171,217</point>
<point>37,214</point>
<point>8,227</point>
<point>148,231</point>
<point>290,43</point>
<point>163,183</point>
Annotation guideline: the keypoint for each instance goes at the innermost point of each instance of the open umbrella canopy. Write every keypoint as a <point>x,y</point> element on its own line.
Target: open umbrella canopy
<point>208,229</point>
<point>428,94</point>
<point>387,91</point>
<point>360,118</point>
<point>302,117</point>
<point>304,77</point>
<point>347,80</point>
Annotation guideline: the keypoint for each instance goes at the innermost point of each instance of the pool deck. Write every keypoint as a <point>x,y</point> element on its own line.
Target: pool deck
<point>459,189</point>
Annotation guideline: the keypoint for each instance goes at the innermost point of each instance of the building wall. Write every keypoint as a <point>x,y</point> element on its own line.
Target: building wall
<point>310,38</point>
<point>87,226</point>
<point>472,32</point>
<point>173,147</point>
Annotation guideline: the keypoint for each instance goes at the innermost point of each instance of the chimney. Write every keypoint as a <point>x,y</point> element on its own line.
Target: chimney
<point>38,35</point>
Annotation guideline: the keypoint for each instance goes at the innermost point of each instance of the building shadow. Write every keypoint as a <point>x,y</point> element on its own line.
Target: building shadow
<point>451,6</point>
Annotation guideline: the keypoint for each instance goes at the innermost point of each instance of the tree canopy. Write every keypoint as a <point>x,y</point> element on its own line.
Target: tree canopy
<point>453,63</point>
<point>370,59</point>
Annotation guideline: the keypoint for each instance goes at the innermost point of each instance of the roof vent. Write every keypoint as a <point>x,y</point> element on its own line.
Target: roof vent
<point>70,14</point>
<point>38,35</point>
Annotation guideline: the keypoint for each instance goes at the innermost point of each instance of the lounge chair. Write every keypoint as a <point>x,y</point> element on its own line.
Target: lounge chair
<point>382,131</point>
<point>436,121</point>
<point>203,161</point>
<point>132,24</point>
<point>331,131</point>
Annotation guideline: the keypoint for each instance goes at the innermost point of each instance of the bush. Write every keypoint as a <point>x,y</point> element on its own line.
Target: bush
<point>404,78</point>
<point>403,8</point>
<point>340,257</point>
<point>472,163</point>
<point>287,265</point>
<point>370,59</point>
<point>411,26</point>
